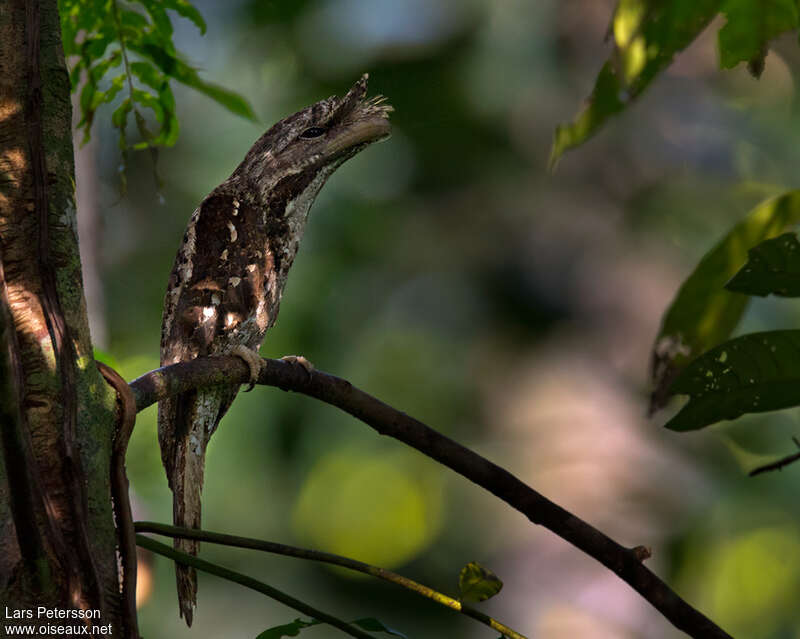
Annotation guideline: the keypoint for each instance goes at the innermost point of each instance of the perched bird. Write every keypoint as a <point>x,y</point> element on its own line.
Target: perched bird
<point>229,273</point>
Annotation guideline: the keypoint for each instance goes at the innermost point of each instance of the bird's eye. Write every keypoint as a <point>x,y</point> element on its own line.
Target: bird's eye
<point>313,132</point>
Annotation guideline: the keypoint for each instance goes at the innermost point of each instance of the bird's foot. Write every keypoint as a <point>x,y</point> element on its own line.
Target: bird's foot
<point>253,361</point>
<point>302,361</point>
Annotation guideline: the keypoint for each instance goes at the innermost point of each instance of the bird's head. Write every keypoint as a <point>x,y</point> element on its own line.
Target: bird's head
<point>303,149</point>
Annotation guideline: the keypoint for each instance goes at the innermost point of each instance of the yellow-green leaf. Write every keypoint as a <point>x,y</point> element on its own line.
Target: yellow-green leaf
<point>646,36</point>
<point>476,583</point>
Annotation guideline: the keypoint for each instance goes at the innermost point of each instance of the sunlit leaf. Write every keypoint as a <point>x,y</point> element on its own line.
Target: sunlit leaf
<point>148,74</point>
<point>750,26</point>
<point>120,115</point>
<point>750,374</point>
<point>476,583</point>
<point>157,12</point>
<point>150,101</point>
<point>703,313</point>
<point>772,268</point>
<point>186,10</point>
<point>646,36</point>
<point>133,21</point>
<point>144,29</point>
<point>99,70</point>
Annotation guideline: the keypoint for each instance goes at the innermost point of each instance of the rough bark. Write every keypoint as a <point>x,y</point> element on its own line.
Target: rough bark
<point>57,535</point>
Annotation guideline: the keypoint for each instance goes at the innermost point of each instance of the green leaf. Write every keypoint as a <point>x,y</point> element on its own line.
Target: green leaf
<point>160,18</point>
<point>229,99</point>
<point>93,48</point>
<point>111,93</point>
<point>85,101</point>
<point>373,625</point>
<point>176,68</point>
<point>148,74</point>
<point>703,313</point>
<point>186,10</point>
<point>99,70</point>
<point>142,27</point>
<point>646,35</point>
<point>150,101</point>
<point>133,21</point>
<point>750,374</point>
<point>120,116</point>
<point>773,267</point>
<point>476,583</point>
<point>287,630</point>
<point>293,629</point>
<point>749,28</point>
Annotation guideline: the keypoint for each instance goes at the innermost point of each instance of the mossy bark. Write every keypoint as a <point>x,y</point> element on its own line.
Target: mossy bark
<point>57,534</point>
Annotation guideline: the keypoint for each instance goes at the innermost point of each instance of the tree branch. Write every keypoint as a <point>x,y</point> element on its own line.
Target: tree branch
<point>779,464</point>
<point>249,582</point>
<point>328,558</point>
<point>625,562</point>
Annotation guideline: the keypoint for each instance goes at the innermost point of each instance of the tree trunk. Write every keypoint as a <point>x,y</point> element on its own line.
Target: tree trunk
<point>57,536</point>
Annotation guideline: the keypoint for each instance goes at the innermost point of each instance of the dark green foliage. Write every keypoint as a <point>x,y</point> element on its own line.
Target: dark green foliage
<point>773,268</point>
<point>647,34</point>
<point>750,374</point>
<point>750,26</point>
<point>287,630</point>
<point>476,583</point>
<point>117,45</point>
<point>293,629</point>
<point>703,313</point>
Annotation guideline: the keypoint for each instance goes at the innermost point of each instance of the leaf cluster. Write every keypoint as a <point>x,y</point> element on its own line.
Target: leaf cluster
<point>647,34</point>
<point>122,53</point>
<point>693,354</point>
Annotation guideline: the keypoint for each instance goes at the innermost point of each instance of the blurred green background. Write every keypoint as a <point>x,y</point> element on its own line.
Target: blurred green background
<point>446,272</point>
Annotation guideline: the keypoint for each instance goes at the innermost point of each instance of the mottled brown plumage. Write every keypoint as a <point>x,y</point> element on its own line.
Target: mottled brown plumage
<point>226,284</point>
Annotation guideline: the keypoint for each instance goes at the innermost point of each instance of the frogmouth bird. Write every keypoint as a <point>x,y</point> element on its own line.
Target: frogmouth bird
<point>230,271</point>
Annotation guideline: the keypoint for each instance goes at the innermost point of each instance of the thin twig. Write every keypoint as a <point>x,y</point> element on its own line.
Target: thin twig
<point>778,465</point>
<point>624,562</point>
<point>249,582</point>
<point>328,558</point>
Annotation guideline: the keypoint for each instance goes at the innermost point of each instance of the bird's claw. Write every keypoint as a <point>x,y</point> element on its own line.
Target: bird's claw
<point>253,361</point>
<point>302,361</point>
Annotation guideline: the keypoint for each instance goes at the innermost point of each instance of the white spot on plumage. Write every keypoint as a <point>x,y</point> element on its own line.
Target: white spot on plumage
<point>209,312</point>
<point>230,320</point>
<point>232,230</point>
<point>224,255</point>
<point>235,208</point>
<point>234,281</point>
